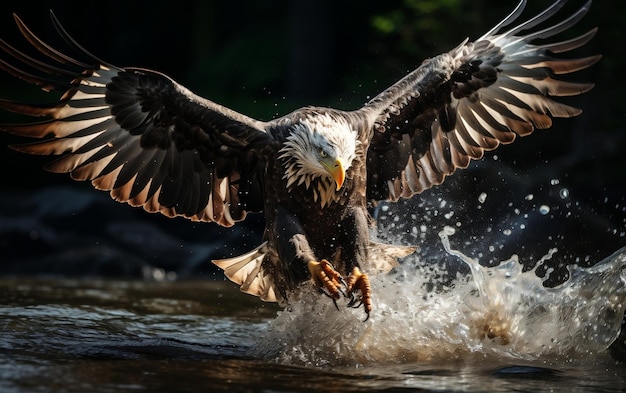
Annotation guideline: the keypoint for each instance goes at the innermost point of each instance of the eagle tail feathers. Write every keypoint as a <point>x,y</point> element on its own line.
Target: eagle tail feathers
<point>247,271</point>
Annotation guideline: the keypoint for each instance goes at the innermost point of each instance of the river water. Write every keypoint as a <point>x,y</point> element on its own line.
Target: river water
<point>497,330</point>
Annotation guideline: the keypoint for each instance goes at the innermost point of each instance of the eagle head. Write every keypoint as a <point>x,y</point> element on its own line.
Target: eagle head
<point>320,147</point>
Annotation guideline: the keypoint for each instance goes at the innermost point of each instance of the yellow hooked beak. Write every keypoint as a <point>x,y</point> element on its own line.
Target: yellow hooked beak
<point>336,169</point>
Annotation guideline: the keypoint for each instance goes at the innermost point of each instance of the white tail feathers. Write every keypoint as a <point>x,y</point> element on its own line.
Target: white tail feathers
<point>247,271</point>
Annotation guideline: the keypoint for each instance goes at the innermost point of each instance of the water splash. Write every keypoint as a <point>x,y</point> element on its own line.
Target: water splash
<point>581,316</point>
<point>418,315</point>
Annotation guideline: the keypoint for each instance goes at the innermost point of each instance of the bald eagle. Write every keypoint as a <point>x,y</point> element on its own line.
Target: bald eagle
<point>314,173</point>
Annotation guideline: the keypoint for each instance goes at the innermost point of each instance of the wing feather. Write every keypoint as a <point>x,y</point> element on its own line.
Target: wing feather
<point>136,133</point>
<point>458,105</point>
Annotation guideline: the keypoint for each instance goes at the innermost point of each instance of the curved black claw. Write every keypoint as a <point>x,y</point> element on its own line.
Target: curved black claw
<point>358,302</point>
<point>344,286</point>
<point>322,290</point>
<point>355,302</point>
<point>359,281</point>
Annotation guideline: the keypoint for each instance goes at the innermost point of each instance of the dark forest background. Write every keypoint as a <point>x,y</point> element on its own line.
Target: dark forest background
<point>265,59</point>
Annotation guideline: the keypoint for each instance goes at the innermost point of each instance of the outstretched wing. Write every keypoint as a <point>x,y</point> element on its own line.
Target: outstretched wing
<point>138,134</point>
<point>458,105</point>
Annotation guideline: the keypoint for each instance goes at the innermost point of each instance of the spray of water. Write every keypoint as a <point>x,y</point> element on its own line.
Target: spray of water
<point>499,311</point>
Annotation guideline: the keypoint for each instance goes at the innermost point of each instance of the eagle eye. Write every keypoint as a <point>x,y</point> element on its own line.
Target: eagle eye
<point>323,153</point>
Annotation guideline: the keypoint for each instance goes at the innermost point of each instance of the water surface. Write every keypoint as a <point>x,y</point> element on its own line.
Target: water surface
<point>117,336</point>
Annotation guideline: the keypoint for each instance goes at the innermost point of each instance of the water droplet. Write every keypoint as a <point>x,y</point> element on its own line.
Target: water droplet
<point>554,182</point>
<point>544,209</point>
<point>482,197</point>
<point>564,193</point>
<point>529,197</point>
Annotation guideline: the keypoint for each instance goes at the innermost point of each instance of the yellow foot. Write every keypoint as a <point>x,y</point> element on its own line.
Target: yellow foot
<point>358,281</point>
<point>328,279</point>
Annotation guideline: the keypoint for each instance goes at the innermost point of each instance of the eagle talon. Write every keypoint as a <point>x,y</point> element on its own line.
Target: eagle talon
<point>344,284</point>
<point>327,278</point>
<point>355,303</point>
<point>351,298</point>
<point>359,281</point>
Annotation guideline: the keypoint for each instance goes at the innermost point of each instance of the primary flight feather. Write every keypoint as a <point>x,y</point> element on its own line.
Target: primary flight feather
<point>313,173</point>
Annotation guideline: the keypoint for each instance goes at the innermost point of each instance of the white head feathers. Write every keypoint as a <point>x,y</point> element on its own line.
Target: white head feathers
<point>312,139</point>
